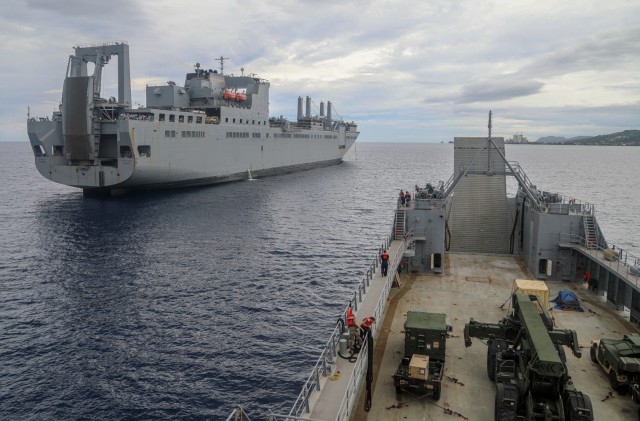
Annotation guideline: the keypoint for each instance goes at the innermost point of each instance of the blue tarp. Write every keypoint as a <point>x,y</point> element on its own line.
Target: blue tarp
<point>567,300</point>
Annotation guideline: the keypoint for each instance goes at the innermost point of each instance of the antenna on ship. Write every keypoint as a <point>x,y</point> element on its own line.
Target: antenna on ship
<point>221,60</point>
<point>489,143</point>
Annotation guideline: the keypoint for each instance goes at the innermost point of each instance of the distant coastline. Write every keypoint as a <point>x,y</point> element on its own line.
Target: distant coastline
<point>624,138</point>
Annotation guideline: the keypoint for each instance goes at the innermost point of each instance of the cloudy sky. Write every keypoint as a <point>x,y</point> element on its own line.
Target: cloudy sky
<point>404,70</point>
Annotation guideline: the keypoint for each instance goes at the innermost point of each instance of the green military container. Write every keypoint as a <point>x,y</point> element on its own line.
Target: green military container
<point>425,334</point>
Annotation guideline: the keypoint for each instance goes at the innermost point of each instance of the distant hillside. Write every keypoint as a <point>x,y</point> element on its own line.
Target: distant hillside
<point>627,137</point>
<point>560,139</point>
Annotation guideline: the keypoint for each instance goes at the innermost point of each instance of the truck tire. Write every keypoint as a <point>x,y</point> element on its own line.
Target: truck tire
<point>613,380</point>
<point>592,353</point>
<point>575,405</point>
<point>622,389</point>
<point>492,349</point>
<point>437,391</point>
<point>506,412</point>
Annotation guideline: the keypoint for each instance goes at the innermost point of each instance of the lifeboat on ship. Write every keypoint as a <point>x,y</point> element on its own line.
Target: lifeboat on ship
<point>229,95</point>
<point>241,96</point>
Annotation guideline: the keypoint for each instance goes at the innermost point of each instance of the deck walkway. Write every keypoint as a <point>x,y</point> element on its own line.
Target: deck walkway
<point>618,267</point>
<point>326,403</point>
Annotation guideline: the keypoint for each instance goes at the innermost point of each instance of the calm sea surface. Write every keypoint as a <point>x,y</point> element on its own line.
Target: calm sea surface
<point>181,304</point>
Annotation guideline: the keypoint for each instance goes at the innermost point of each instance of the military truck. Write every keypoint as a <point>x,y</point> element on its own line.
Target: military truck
<point>620,359</point>
<point>422,367</point>
<point>526,360</point>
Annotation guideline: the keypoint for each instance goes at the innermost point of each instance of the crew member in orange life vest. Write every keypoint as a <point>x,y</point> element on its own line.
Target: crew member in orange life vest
<point>384,258</point>
<point>351,319</point>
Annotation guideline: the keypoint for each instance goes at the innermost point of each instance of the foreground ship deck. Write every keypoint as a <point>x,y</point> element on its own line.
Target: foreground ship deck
<point>480,286</point>
<point>463,252</point>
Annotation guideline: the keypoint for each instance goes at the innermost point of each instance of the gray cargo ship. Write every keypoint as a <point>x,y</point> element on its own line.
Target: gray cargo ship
<point>216,128</point>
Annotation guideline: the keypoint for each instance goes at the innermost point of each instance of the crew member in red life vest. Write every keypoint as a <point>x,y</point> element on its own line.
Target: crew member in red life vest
<point>366,325</point>
<point>402,198</point>
<point>407,197</point>
<point>384,262</point>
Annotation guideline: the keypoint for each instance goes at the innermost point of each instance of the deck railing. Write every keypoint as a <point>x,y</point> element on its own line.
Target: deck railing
<point>329,353</point>
<point>323,365</point>
<point>625,263</point>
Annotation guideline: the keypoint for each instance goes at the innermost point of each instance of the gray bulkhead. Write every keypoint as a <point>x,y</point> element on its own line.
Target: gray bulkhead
<point>471,212</point>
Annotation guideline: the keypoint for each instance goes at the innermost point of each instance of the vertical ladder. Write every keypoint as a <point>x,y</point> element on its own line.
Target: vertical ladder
<point>590,232</point>
<point>399,226</point>
<point>95,126</point>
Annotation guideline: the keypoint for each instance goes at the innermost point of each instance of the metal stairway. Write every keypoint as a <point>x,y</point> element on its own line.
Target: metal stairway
<point>483,188</point>
<point>399,226</point>
<point>590,232</point>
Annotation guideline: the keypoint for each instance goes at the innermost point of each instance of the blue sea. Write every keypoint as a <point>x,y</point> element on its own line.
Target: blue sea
<point>181,304</point>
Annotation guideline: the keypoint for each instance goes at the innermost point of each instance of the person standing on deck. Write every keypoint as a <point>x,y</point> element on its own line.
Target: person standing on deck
<point>401,197</point>
<point>384,262</point>
<point>407,198</point>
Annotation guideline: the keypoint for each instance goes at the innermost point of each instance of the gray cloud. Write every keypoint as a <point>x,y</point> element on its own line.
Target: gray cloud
<point>498,89</point>
<point>425,68</point>
<point>601,52</point>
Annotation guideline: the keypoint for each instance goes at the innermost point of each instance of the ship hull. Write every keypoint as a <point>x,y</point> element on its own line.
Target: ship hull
<point>159,155</point>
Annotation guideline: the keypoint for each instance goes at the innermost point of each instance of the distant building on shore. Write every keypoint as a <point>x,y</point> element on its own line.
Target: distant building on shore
<point>517,138</point>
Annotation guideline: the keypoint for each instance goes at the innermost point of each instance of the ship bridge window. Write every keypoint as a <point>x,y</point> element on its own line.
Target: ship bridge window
<point>226,119</point>
<point>190,119</point>
<point>161,117</point>
<point>172,118</point>
<point>198,120</point>
<point>167,133</point>
<point>38,150</point>
<point>234,120</point>
<point>180,119</point>
<point>144,150</point>
<point>240,121</point>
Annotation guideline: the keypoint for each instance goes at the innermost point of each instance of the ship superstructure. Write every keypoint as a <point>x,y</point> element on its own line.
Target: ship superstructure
<point>215,128</point>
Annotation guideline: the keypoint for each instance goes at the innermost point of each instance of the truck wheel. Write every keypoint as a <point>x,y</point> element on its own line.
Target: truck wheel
<point>398,394</point>
<point>613,380</point>
<point>506,411</point>
<point>436,392</point>
<point>579,408</point>
<point>592,353</point>
<point>491,359</point>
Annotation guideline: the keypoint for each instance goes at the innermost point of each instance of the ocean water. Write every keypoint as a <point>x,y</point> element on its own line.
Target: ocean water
<point>182,304</point>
